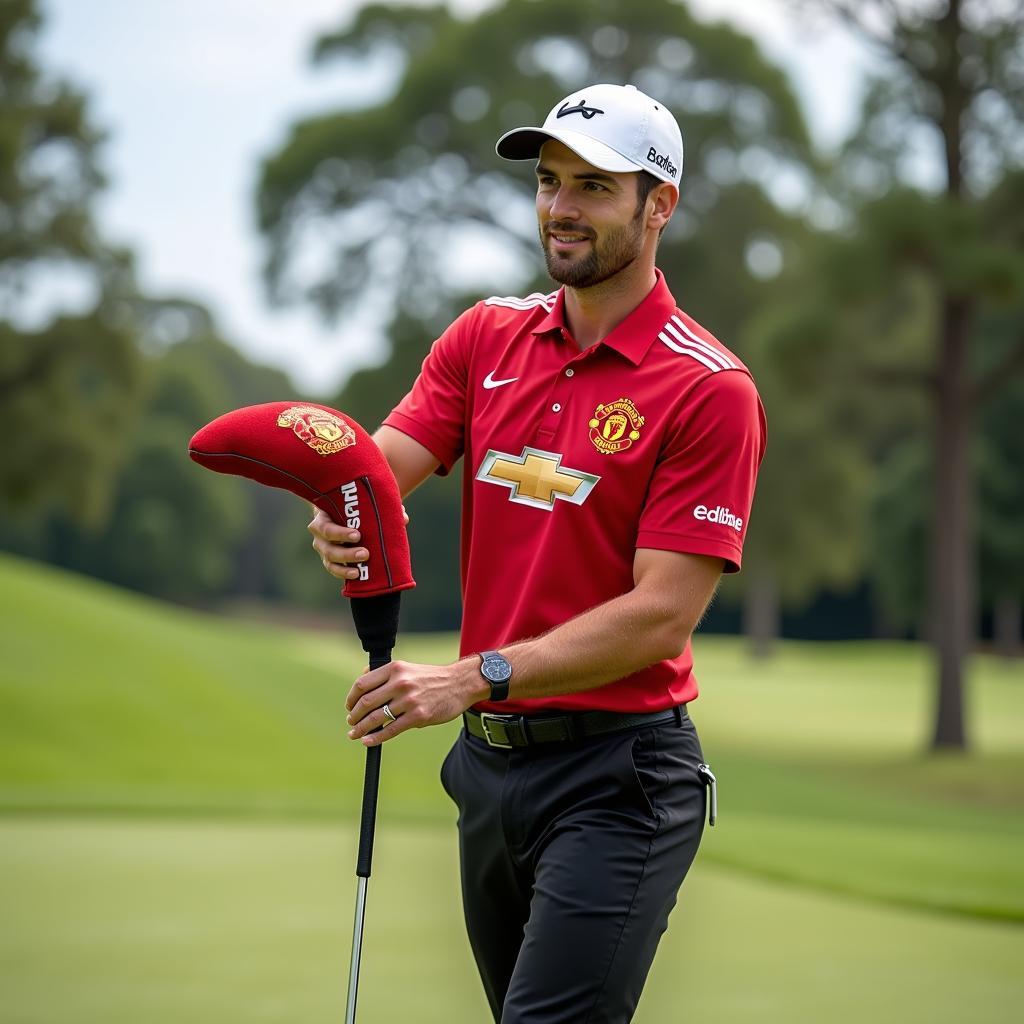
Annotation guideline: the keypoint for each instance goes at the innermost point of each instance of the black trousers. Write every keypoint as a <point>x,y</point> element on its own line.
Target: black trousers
<point>571,858</point>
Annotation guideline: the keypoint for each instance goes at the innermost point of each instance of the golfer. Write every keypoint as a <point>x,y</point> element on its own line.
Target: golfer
<point>611,446</point>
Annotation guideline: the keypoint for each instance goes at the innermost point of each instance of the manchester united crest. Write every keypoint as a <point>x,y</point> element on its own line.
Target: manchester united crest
<point>323,431</point>
<point>615,426</point>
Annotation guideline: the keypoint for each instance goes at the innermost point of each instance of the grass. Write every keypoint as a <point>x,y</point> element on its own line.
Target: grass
<point>172,922</point>
<point>110,701</point>
<point>822,751</point>
<point>175,793</point>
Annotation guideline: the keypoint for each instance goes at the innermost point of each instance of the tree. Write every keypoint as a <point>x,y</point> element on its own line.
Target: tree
<point>952,83</point>
<point>388,192</point>
<point>900,518</point>
<point>394,187</point>
<point>172,530</point>
<point>1002,498</point>
<point>900,515</point>
<point>69,385</point>
<point>807,527</point>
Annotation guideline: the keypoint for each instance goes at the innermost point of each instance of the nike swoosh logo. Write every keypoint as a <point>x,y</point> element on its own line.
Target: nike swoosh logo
<point>490,382</point>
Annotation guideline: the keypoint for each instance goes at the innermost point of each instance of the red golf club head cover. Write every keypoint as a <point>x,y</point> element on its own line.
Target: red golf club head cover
<point>325,457</point>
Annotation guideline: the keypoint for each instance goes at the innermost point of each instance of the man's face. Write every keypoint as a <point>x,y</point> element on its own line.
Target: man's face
<point>590,227</point>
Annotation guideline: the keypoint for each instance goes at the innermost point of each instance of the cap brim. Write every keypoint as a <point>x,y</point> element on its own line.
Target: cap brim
<point>525,144</point>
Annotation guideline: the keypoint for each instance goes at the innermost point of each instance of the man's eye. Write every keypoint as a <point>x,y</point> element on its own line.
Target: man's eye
<point>593,186</point>
<point>546,181</point>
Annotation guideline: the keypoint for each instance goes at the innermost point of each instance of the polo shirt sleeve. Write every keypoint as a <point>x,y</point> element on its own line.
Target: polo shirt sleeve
<point>700,494</point>
<point>434,411</point>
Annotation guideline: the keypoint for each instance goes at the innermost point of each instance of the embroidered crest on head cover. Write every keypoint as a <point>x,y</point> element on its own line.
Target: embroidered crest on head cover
<point>323,431</point>
<point>615,426</point>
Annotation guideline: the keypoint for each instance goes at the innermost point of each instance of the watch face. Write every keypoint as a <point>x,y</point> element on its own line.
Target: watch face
<point>497,670</point>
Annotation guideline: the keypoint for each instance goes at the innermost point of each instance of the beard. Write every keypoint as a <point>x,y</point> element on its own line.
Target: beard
<point>608,255</point>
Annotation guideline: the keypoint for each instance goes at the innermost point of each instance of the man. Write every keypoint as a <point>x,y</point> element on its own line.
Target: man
<point>611,449</point>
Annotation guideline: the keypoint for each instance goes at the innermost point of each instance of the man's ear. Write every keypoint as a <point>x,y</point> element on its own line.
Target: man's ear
<point>661,204</point>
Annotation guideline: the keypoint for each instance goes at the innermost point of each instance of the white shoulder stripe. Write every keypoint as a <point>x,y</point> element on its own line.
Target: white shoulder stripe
<point>701,344</point>
<point>530,301</point>
<point>708,353</point>
<point>691,352</point>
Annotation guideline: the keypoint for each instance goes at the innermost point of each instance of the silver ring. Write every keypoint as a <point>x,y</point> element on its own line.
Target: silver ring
<point>387,711</point>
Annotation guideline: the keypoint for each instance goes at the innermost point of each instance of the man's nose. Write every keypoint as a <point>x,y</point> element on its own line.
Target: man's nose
<point>563,205</point>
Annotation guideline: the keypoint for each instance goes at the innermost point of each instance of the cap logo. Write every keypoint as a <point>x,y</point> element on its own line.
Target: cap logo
<point>654,157</point>
<point>581,108</point>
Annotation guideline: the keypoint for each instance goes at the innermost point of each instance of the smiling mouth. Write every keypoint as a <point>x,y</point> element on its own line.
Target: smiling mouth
<point>566,239</point>
<point>565,231</point>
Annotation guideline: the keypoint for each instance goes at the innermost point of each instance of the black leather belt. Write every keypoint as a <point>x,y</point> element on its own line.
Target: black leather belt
<point>508,731</point>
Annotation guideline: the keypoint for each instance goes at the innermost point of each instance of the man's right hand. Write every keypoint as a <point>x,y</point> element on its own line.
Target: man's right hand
<point>338,546</point>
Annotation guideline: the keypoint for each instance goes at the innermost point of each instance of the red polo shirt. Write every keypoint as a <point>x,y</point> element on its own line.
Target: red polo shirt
<point>649,439</point>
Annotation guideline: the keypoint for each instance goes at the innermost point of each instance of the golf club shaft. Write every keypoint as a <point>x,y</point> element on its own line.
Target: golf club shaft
<point>364,857</point>
<point>357,949</point>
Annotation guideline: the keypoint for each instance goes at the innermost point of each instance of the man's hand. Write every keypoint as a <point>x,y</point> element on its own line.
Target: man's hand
<point>417,695</point>
<point>338,546</point>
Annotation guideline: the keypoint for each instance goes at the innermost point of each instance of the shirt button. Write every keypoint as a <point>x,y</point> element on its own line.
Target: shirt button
<point>556,407</point>
<point>569,373</point>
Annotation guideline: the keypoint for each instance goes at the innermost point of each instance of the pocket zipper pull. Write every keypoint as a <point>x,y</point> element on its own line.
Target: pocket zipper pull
<point>711,782</point>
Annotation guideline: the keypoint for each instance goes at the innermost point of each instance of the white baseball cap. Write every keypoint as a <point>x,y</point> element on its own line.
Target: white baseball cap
<point>614,127</point>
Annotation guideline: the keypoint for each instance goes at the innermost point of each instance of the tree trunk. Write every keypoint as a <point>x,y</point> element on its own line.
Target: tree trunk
<point>761,616</point>
<point>952,555</point>
<point>1006,626</point>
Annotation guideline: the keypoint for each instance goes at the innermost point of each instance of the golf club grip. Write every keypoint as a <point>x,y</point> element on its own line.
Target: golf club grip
<point>371,783</point>
<point>380,654</point>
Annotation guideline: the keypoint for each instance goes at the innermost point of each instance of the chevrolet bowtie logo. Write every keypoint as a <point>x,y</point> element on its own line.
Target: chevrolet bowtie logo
<point>536,478</point>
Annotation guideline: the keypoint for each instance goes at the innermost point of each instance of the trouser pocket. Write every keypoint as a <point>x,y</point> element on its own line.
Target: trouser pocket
<point>446,768</point>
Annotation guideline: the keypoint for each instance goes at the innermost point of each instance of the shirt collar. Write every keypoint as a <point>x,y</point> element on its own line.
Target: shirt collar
<point>635,335</point>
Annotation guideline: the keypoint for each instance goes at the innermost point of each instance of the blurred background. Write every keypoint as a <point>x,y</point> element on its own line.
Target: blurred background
<point>204,206</point>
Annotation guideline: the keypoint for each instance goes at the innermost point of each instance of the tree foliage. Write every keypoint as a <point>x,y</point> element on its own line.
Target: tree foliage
<point>396,185</point>
<point>70,383</point>
<point>94,473</point>
<point>173,530</point>
<point>943,255</point>
<point>377,199</point>
<point>901,506</point>
<point>888,349</point>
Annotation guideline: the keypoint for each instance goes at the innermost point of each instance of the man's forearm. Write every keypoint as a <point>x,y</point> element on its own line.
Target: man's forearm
<point>615,639</point>
<point>606,643</point>
<point>650,623</point>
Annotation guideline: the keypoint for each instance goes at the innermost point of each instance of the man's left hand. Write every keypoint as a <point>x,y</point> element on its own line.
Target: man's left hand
<point>417,695</point>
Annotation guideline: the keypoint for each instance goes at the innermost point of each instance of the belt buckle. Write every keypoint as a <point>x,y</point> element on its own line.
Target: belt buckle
<point>488,717</point>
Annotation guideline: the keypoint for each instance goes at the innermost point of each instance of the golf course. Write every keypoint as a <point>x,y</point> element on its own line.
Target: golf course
<point>179,802</point>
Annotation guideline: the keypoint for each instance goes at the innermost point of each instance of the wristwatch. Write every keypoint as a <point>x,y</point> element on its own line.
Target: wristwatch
<point>495,668</point>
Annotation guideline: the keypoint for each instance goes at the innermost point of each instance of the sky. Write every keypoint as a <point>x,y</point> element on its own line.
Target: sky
<point>193,93</point>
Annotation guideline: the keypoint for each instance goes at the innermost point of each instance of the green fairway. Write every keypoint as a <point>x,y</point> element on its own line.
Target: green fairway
<point>824,779</point>
<point>212,923</point>
<point>111,701</point>
<point>176,789</point>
